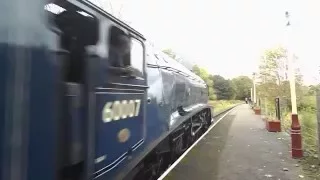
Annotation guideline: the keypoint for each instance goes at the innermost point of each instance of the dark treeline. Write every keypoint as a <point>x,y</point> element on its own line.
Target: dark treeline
<point>225,89</point>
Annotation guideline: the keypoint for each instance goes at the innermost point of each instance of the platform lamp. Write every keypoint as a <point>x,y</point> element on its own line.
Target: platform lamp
<point>254,88</point>
<point>296,140</point>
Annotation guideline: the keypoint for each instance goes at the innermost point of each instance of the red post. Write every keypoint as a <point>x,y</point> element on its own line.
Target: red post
<point>296,140</point>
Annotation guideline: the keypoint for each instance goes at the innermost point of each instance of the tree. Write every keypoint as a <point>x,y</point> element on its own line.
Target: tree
<point>170,53</point>
<point>203,74</point>
<point>196,70</point>
<point>273,78</point>
<point>223,88</point>
<point>243,85</point>
<point>272,65</point>
<point>312,90</point>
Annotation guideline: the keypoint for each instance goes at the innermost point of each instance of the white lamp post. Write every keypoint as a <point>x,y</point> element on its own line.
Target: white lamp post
<point>296,141</point>
<point>291,69</point>
<point>251,94</point>
<point>254,89</point>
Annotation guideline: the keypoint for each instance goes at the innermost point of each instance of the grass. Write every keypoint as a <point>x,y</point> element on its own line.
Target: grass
<point>310,163</point>
<point>220,105</point>
<point>310,167</point>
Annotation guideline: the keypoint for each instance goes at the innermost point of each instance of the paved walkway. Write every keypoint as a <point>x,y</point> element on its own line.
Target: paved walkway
<point>239,148</point>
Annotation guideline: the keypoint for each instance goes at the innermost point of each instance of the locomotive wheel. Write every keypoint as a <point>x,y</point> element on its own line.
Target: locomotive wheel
<point>188,139</point>
<point>152,169</point>
<point>178,146</point>
<point>207,121</point>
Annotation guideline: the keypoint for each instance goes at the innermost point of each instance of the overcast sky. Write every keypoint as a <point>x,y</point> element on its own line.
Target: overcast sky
<point>227,37</point>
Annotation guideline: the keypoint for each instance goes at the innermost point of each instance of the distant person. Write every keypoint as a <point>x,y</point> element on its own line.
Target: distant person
<point>246,99</point>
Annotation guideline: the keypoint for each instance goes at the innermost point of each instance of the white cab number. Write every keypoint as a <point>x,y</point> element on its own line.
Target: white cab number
<point>114,111</point>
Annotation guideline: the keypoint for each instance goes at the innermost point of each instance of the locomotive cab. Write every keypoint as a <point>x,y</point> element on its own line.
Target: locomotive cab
<point>103,87</point>
<point>68,23</point>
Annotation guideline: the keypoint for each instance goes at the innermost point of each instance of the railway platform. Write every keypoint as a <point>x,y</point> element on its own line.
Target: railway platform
<point>238,148</point>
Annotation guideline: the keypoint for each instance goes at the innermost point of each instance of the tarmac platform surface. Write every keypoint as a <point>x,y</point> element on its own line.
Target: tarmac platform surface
<point>239,148</point>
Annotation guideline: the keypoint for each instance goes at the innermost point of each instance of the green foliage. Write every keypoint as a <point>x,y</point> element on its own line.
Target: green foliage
<point>271,64</point>
<point>219,87</point>
<point>196,70</point>
<point>223,88</point>
<point>307,103</point>
<point>220,105</point>
<point>242,86</point>
<point>311,90</point>
<point>273,76</point>
<point>170,53</point>
<point>273,81</point>
<point>206,77</point>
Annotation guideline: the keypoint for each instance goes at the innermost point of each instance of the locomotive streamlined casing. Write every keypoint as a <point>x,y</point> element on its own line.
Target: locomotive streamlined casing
<point>176,87</point>
<point>170,85</point>
<point>181,88</point>
<point>168,88</point>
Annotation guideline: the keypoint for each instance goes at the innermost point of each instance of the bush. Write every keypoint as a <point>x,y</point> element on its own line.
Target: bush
<point>308,120</point>
<point>307,103</point>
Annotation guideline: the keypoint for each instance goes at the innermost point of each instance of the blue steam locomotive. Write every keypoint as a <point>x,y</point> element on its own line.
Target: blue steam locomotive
<point>84,96</point>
